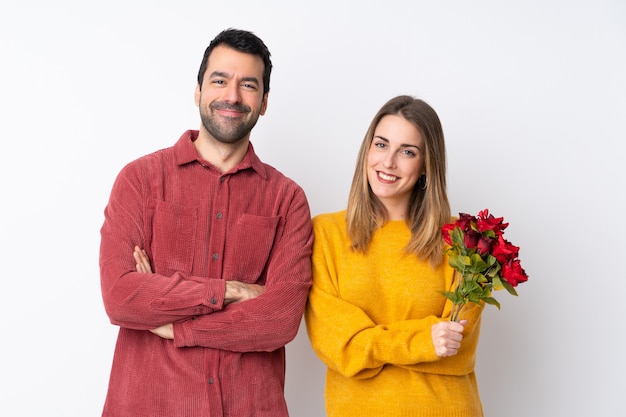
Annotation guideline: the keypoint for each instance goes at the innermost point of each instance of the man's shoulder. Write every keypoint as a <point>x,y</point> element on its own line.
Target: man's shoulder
<point>150,160</point>
<point>167,154</point>
<point>274,175</point>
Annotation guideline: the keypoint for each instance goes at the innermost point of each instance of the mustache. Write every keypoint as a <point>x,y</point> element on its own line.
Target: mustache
<point>238,107</point>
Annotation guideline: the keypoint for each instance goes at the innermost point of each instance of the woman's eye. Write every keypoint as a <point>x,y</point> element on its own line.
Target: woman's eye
<point>407,152</point>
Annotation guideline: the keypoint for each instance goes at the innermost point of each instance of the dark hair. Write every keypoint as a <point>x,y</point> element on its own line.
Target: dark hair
<point>242,41</point>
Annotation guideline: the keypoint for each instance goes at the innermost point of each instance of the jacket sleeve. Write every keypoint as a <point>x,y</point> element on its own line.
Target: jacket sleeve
<point>136,300</point>
<point>351,343</point>
<point>272,319</point>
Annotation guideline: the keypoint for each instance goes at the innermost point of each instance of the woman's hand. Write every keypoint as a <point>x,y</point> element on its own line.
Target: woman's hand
<point>447,336</point>
<point>143,262</point>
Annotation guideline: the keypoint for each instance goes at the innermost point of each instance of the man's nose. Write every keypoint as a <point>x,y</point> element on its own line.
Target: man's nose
<point>232,93</point>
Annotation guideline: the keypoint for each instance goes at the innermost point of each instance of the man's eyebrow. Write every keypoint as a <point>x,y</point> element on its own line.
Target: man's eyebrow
<point>251,79</point>
<point>222,74</point>
<point>219,74</point>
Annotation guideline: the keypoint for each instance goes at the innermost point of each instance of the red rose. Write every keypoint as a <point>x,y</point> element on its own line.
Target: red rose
<point>470,238</point>
<point>465,221</point>
<point>487,221</point>
<point>504,251</point>
<point>446,230</point>
<point>513,273</point>
<point>484,245</point>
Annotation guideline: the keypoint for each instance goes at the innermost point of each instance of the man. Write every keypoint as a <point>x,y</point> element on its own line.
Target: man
<point>229,241</point>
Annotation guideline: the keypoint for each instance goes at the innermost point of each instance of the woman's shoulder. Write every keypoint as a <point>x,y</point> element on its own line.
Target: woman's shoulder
<point>334,217</point>
<point>330,224</point>
<point>330,231</point>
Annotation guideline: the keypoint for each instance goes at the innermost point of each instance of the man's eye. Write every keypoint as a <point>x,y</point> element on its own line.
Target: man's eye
<point>249,86</point>
<point>219,82</point>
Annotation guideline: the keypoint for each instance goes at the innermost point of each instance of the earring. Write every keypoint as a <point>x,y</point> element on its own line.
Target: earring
<point>424,182</point>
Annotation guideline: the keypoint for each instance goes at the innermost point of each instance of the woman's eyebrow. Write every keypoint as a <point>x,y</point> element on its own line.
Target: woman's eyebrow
<point>403,145</point>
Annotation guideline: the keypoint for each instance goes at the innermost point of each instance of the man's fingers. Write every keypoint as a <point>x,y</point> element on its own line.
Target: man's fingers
<point>143,262</point>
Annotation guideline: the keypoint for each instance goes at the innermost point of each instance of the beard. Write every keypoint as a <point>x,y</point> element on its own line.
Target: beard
<point>229,131</point>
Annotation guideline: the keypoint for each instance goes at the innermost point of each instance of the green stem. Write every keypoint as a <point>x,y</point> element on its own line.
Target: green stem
<point>461,312</point>
<point>459,278</point>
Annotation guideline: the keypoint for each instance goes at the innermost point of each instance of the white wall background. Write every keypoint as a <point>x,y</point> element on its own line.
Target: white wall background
<point>532,96</point>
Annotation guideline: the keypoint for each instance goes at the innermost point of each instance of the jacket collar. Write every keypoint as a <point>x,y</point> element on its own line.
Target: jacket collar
<point>186,152</point>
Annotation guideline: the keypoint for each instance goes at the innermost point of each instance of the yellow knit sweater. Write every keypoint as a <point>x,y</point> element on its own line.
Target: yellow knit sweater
<point>369,319</point>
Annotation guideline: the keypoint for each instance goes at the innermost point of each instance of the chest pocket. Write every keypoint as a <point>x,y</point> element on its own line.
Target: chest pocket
<point>173,237</point>
<point>249,247</point>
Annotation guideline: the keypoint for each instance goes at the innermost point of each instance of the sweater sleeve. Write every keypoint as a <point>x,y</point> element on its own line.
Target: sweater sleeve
<point>136,300</point>
<point>349,342</point>
<point>464,361</point>
<point>271,320</point>
<point>342,334</point>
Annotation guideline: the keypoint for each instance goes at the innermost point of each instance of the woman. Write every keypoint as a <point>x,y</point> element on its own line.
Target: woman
<point>376,316</point>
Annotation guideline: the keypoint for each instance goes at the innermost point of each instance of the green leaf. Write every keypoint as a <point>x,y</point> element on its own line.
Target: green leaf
<point>509,287</point>
<point>481,279</point>
<point>492,301</point>
<point>459,262</point>
<point>473,286</point>
<point>455,297</point>
<point>491,261</point>
<point>457,238</point>
<point>497,283</point>
<point>477,264</point>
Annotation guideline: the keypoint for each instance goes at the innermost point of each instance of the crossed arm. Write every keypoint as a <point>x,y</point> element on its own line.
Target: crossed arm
<point>236,291</point>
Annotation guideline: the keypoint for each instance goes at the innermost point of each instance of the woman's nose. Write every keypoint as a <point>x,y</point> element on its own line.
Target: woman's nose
<point>389,161</point>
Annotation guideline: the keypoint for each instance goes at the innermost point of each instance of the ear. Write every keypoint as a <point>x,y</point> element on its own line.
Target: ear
<point>196,95</point>
<point>264,104</point>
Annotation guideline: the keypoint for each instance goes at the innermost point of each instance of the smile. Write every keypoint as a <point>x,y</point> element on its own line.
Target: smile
<point>386,177</point>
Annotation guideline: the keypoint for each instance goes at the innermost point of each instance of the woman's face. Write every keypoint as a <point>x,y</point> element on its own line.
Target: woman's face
<point>395,161</point>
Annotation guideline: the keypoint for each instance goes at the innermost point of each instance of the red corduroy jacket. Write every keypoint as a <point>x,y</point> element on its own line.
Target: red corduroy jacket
<point>201,227</point>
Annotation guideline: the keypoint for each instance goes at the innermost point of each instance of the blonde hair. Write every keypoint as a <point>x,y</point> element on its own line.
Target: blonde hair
<point>429,208</point>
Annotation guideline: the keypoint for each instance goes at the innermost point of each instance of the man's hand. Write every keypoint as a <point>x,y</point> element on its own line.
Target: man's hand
<point>166,331</point>
<point>143,265</point>
<point>143,262</point>
<point>237,291</point>
<point>447,336</point>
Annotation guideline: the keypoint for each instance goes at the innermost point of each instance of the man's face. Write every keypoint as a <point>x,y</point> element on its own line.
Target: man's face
<point>231,99</point>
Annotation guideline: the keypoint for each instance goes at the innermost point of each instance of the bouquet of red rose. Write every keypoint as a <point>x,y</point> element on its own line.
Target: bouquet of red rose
<point>484,260</point>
